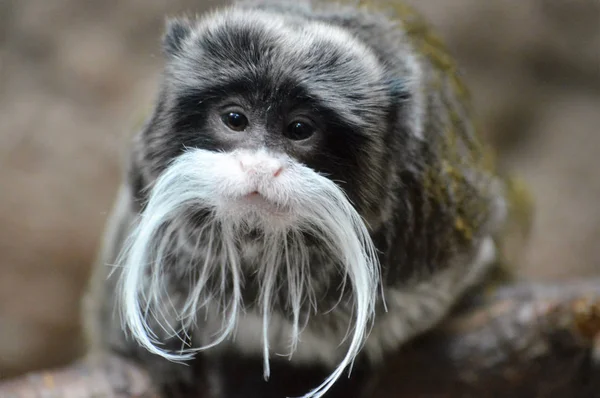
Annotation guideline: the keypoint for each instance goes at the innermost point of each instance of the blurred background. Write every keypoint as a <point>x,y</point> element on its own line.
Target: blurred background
<point>75,76</point>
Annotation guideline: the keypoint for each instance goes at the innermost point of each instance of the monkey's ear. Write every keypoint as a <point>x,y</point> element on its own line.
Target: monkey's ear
<point>176,31</point>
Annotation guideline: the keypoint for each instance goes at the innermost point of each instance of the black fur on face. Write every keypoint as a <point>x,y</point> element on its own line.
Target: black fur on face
<point>275,75</point>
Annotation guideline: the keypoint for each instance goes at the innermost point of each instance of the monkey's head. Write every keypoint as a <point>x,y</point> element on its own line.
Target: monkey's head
<point>273,89</point>
<point>261,175</point>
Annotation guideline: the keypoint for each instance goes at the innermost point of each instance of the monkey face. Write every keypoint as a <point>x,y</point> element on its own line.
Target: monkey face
<point>273,87</point>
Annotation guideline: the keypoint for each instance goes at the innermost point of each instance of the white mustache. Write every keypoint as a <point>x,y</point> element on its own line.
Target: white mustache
<point>205,180</point>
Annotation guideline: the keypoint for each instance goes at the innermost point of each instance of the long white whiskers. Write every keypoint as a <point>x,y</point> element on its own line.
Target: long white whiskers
<point>199,180</point>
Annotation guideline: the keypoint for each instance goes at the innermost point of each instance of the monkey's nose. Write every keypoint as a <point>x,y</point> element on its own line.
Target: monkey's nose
<point>260,165</point>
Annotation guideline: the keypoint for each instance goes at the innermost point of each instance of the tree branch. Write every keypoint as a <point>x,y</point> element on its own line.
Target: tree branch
<point>526,340</point>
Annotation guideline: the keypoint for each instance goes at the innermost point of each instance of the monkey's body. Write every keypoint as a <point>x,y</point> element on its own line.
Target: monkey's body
<point>396,136</point>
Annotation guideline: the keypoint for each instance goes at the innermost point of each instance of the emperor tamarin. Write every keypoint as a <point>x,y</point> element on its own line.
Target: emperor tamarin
<point>308,194</point>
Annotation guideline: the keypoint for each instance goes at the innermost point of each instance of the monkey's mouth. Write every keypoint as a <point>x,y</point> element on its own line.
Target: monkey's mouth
<point>259,202</point>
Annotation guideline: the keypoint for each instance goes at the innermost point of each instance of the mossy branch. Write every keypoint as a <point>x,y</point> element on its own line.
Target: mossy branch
<point>525,340</point>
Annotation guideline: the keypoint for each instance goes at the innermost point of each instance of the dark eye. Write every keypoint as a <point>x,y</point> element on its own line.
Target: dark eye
<point>298,131</point>
<point>235,121</point>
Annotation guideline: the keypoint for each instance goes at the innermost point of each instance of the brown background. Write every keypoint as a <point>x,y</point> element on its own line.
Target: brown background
<point>75,75</point>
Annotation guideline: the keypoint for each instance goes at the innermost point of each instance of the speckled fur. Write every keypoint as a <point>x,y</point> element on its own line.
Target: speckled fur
<point>401,145</point>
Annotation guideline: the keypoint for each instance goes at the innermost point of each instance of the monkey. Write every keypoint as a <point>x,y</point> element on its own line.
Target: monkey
<point>308,194</point>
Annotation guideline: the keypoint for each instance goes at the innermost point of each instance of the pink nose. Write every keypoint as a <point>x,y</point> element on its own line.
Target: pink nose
<point>260,165</point>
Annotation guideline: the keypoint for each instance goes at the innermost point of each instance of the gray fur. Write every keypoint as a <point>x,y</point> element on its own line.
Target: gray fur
<point>374,79</point>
